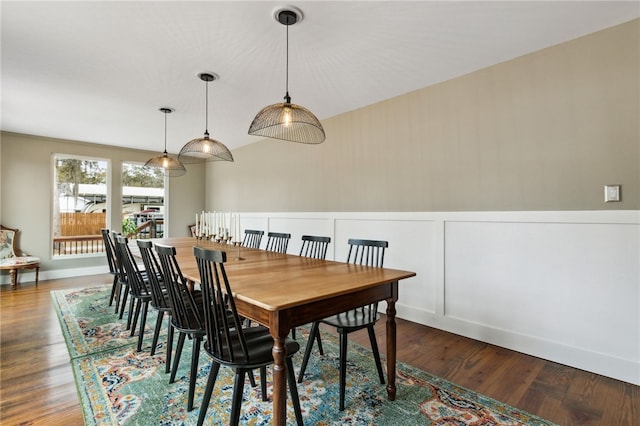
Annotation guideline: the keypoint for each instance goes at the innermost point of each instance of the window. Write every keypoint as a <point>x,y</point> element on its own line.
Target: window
<point>142,201</point>
<point>79,204</point>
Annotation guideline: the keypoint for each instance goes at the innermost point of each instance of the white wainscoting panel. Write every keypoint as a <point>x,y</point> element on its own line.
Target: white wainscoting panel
<point>412,247</point>
<point>560,284</point>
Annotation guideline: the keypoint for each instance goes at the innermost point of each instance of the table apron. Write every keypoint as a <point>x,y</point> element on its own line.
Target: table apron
<point>300,315</point>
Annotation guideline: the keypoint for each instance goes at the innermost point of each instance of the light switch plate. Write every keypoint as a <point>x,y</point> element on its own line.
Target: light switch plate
<point>611,193</point>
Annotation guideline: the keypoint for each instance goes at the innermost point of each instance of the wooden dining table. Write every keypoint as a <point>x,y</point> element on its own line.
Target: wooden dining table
<point>281,291</point>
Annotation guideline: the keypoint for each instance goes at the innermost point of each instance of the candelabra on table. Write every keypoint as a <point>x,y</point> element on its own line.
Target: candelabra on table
<point>238,244</point>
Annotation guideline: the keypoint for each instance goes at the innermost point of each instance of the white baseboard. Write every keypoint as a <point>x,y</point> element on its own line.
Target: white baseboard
<point>582,358</point>
<point>54,274</point>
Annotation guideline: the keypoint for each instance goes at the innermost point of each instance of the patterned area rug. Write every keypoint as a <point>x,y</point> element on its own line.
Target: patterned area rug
<point>119,386</point>
<point>89,324</point>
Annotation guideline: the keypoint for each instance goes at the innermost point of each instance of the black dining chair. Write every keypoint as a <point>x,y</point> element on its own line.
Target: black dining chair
<point>314,247</point>
<point>277,242</point>
<point>122,292</point>
<point>252,238</point>
<point>138,288</point>
<point>109,250</point>
<point>361,252</point>
<point>186,314</point>
<point>228,343</point>
<point>159,298</point>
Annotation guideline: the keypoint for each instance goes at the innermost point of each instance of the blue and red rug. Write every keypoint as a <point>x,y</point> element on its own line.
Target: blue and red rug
<point>119,386</point>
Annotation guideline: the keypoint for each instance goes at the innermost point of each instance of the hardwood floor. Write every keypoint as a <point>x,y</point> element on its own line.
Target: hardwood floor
<point>37,386</point>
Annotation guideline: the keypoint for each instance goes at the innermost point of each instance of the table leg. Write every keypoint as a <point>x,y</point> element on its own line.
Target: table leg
<point>279,352</point>
<point>391,349</point>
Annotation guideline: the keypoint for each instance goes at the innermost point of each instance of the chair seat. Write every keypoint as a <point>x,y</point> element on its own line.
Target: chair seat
<point>260,346</point>
<point>354,319</point>
<point>19,262</point>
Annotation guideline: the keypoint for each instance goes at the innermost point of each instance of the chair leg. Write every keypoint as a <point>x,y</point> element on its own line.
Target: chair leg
<point>176,360</point>
<point>237,397</point>
<point>376,353</point>
<point>170,331</point>
<point>118,295</point>
<point>195,356</point>
<point>319,340</point>
<point>263,382</point>
<point>343,367</point>
<point>143,322</point>
<point>134,306</point>
<point>293,389</point>
<point>125,296</point>
<point>14,278</point>
<point>252,379</point>
<point>211,381</point>
<point>307,350</point>
<point>156,332</point>
<point>113,289</point>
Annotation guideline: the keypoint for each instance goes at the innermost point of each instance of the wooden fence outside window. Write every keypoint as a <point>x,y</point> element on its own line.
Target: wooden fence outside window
<point>81,233</point>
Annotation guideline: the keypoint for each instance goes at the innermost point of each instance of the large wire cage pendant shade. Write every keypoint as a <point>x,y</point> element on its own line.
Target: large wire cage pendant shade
<point>172,166</point>
<point>285,120</point>
<point>289,122</point>
<point>205,149</point>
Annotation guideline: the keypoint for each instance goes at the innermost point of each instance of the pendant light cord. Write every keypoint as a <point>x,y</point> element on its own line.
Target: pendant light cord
<point>206,109</point>
<point>287,98</point>
<point>165,132</point>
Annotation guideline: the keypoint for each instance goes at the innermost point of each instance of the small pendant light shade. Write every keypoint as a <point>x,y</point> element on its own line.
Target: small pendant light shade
<point>287,121</point>
<point>172,167</point>
<point>205,149</point>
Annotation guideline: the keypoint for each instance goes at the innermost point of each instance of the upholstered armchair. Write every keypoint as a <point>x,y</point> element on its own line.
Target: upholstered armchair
<point>13,259</point>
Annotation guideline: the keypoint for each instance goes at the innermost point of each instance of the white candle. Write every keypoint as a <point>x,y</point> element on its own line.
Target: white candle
<point>215,222</point>
<point>197,225</point>
<point>236,236</point>
<point>234,227</point>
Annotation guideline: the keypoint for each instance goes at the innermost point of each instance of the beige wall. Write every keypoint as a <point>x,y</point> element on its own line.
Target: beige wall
<point>26,191</point>
<point>542,132</point>
<point>545,131</point>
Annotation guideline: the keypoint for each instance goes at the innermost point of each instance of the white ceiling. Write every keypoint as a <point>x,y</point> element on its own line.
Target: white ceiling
<point>99,71</point>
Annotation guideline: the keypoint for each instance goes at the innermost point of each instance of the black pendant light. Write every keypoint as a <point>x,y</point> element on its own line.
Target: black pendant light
<point>205,149</point>
<point>172,166</point>
<point>285,120</point>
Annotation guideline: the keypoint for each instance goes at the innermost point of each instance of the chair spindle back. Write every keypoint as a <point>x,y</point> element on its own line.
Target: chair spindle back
<point>109,249</point>
<point>154,273</point>
<point>223,325</point>
<point>277,242</point>
<point>252,238</point>
<point>367,253</point>
<point>184,311</point>
<point>130,268</point>
<point>314,246</point>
